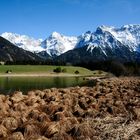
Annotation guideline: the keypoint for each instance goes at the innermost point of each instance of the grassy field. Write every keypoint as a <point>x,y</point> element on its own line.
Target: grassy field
<point>30,69</point>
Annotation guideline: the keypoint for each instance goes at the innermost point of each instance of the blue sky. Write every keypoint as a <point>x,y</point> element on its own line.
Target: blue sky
<point>39,18</point>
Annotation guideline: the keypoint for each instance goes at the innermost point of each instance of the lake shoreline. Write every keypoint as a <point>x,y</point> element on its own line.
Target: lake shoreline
<point>109,110</point>
<point>41,75</point>
<point>86,77</point>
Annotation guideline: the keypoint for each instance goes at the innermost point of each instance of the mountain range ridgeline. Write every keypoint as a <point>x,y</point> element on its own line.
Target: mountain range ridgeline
<point>106,43</point>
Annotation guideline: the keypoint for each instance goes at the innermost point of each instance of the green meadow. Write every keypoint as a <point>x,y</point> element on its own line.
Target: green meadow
<point>31,69</point>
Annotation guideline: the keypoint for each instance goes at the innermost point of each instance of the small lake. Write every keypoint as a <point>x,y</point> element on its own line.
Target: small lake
<point>10,84</point>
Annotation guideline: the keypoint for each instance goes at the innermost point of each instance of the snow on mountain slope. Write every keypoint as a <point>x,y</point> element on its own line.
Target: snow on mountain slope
<point>105,36</point>
<point>128,35</point>
<point>100,39</point>
<point>23,41</point>
<point>54,45</point>
<point>84,39</point>
<point>57,44</point>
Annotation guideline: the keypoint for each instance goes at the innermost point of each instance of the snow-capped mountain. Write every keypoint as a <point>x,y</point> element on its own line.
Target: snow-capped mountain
<point>24,42</point>
<point>57,44</point>
<point>106,39</point>
<point>128,35</point>
<point>106,43</point>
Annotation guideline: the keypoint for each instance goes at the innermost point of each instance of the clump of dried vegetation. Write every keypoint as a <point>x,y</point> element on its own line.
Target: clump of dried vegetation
<point>110,110</point>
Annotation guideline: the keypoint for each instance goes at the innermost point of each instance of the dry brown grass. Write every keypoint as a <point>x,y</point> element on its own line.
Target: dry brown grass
<point>108,111</point>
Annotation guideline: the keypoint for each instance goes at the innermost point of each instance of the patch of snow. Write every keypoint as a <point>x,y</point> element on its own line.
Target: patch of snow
<point>23,41</point>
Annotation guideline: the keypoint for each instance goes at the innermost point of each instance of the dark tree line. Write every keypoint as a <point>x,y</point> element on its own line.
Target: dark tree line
<point>116,67</point>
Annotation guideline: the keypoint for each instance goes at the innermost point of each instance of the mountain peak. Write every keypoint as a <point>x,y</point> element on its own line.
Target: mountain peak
<point>8,35</point>
<point>56,34</point>
<point>104,28</point>
<point>128,35</point>
<point>23,41</point>
<point>88,32</point>
<point>57,44</point>
<point>128,26</point>
<point>13,35</point>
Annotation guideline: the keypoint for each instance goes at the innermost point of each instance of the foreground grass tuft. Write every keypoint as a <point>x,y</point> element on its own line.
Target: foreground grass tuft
<point>108,111</point>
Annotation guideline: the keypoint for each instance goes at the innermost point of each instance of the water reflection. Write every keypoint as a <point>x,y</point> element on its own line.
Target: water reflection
<point>11,84</point>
